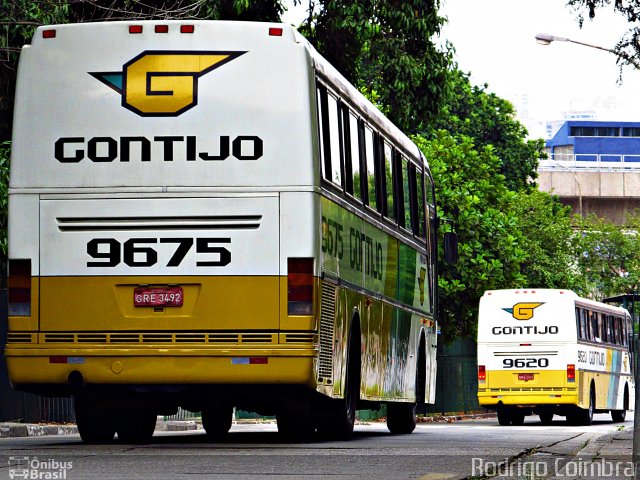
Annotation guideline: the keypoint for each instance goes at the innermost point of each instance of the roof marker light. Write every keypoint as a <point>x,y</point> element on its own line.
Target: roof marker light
<point>275,31</point>
<point>48,34</point>
<point>187,28</point>
<point>161,28</point>
<point>135,28</point>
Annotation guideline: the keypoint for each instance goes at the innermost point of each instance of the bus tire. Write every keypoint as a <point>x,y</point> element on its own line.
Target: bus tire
<point>216,421</point>
<point>586,414</point>
<point>136,425</point>
<point>546,418</point>
<point>517,419</point>
<point>338,416</point>
<point>295,425</point>
<point>504,418</point>
<point>619,416</point>
<point>95,422</point>
<point>401,417</point>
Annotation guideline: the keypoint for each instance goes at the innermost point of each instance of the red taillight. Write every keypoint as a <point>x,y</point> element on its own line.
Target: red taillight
<point>275,31</point>
<point>187,28</point>
<point>161,28</point>
<point>48,34</point>
<point>300,286</point>
<point>135,28</point>
<point>571,373</point>
<point>482,373</point>
<point>19,291</point>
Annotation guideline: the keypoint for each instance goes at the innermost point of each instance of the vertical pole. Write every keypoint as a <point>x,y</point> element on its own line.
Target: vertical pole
<point>636,377</point>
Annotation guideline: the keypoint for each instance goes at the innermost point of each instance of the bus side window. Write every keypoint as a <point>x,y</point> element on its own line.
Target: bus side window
<point>335,140</point>
<point>323,127</point>
<point>595,327</point>
<point>370,157</point>
<point>422,209</point>
<point>388,187</point>
<point>354,177</point>
<point>579,324</point>
<point>404,193</point>
<point>584,320</point>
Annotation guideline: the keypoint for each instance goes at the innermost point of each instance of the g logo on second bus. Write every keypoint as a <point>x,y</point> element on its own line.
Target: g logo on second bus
<point>523,310</point>
<point>163,83</point>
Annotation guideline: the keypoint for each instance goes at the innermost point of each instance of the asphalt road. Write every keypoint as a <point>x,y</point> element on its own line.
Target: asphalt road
<point>434,451</point>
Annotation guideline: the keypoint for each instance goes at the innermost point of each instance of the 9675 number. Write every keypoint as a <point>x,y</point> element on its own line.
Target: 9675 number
<point>140,252</point>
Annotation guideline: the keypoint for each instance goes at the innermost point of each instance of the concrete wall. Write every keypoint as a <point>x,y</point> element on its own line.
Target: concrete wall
<point>608,194</point>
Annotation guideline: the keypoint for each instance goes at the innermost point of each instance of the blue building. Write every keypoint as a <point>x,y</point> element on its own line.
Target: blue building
<point>610,144</point>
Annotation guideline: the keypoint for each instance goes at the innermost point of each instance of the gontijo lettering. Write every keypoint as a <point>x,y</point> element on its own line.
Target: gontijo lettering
<point>163,83</point>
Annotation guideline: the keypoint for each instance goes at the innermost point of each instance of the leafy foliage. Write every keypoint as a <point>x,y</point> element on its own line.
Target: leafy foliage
<point>608,256</point>
<point>386,46</point>
<point>472,192</point>
<point>507,239</point>
<point>490,120</point>
<point>628,47</point>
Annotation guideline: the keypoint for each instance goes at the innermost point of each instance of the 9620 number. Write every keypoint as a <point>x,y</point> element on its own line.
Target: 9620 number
<point>140,252</point>
<point>525,362</point>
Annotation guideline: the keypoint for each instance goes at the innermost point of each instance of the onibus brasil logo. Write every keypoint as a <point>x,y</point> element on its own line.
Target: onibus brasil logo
<point>159,83</point>
<point>523,310</point>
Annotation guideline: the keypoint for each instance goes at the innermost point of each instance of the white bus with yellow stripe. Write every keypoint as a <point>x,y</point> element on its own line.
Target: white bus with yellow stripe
<point>206,215</point>
<point>550,352</point>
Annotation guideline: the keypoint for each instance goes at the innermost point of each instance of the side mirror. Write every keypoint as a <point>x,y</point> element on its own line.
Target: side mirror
<point>451,247</point>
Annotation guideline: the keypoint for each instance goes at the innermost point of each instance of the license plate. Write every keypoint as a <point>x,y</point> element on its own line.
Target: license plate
<point>525,377</point>
<point>158,297</point>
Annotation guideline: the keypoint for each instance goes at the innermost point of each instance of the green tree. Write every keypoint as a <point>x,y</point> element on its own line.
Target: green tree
<point>628,46</point>
<point>550,241</point>
<point>490,120</point>
<point>472,192</point>
<point>386,47</point>
<point>608,256</point>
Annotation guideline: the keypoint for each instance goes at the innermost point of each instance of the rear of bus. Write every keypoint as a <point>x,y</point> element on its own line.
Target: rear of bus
<point>527,348</point>
<point>162,214</point>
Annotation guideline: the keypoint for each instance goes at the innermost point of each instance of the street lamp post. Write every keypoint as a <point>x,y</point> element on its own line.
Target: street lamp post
<point>546,39</point>
<point>575,177</point>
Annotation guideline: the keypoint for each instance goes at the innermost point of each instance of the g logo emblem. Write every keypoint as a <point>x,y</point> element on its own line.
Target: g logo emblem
<point>523,310</point>
<point>163,83</point>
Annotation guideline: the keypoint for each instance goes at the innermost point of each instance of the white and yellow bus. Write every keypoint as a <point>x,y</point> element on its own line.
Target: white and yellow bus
<point>207,215</point>
<point>550,352</point>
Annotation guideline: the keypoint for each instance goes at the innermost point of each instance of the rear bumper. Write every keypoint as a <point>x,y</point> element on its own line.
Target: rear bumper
<point>161,366</point>
<point>527,399</point>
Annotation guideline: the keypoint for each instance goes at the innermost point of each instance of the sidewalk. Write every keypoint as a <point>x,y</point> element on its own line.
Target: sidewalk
<point>606,456</point>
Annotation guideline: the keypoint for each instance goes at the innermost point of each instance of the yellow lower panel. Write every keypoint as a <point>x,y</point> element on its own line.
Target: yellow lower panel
<point>210,303</point>
<point>527,399</point>
<point>162,366</point>
<point>516,387</point>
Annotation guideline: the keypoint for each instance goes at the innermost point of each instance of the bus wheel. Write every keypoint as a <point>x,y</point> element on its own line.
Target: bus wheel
<point>136,425</point>
<point>504,418</point>
<point>401,418</point>
<point>296,422</point>
<point>586,415</point>
<point>95,422</point>
<point>338,416</point>
<point>216,421</point>
<point>517,418</point>
<point>546,418</point>
<point>619,415</point>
